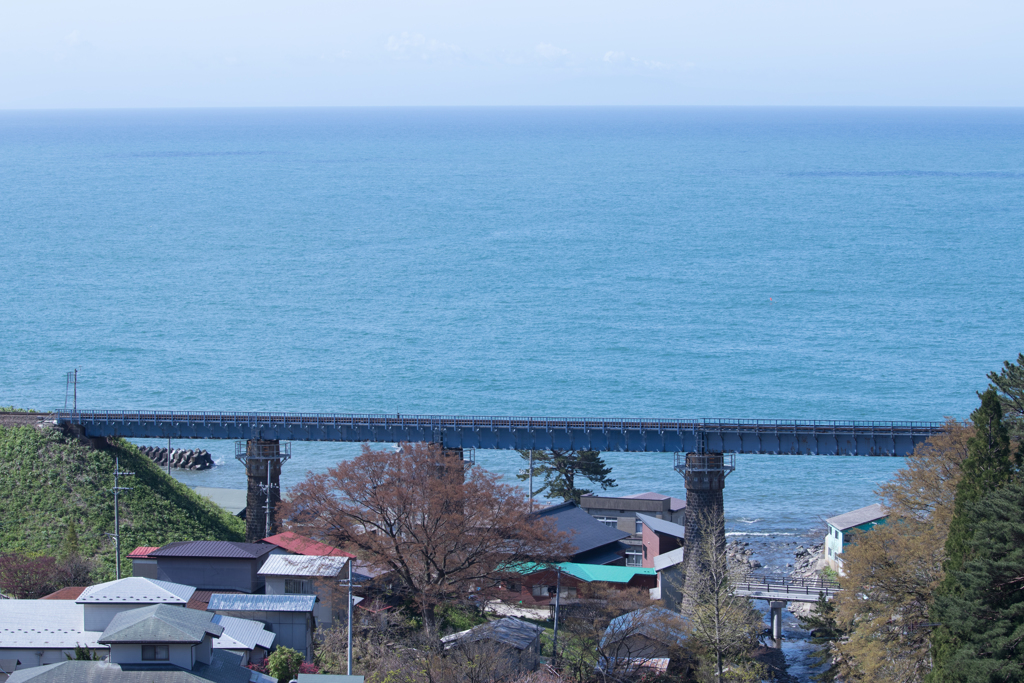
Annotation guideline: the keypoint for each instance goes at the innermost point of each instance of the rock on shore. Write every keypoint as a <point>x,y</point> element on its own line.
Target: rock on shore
<point>180,458</point>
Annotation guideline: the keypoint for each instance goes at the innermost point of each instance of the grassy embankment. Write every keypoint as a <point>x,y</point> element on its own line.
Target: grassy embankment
<point>51,483</point>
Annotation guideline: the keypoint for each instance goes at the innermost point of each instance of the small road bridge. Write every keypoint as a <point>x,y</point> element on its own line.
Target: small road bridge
<point>779,590</point>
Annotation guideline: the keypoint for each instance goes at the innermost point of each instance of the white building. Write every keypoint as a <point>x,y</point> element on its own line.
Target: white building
<point>841,529</point>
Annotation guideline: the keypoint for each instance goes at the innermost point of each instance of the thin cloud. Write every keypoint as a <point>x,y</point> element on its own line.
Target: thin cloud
<point>549,51</point>
<point>417,46</point>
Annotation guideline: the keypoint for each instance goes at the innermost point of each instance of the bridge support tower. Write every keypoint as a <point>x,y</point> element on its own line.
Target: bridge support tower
<point>704,474</point>
<point>776,614</point>
<point>262,460</point>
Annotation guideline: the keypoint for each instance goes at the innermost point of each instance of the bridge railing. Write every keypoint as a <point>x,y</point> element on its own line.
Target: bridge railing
<point>775,585</point>
<point>759,426</point>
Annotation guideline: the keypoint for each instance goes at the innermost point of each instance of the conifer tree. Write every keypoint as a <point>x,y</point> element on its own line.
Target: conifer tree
<point>984,619</point>
<point>988,467</point>
<point>559,470</point>
<point>1010,384</point>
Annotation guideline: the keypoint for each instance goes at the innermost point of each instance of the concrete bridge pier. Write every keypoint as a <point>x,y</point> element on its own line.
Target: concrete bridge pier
<point>262,460</point>
<point>776,616</point>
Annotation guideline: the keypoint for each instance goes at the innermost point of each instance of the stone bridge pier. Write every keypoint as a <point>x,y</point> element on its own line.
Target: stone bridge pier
<point>704,474</point>
<point>262,460</point>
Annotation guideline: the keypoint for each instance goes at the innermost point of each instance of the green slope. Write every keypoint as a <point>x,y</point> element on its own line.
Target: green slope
<point>50,482</point>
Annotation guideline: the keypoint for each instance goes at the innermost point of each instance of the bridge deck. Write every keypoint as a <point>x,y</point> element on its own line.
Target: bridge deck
<point>825,437</point>
<point>785,588</point>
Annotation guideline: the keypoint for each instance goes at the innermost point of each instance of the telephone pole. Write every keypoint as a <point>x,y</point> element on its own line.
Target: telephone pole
<point>117,513</point>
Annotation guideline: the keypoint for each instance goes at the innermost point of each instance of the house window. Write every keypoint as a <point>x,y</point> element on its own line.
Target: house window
<point>514,587</point>
<point>633,558</point>
<point>155,653</point>
<point>540,591</point>
<point>639,526</point>
<point>645,552</point>
<point>608,521</point>
<point>297,587</point>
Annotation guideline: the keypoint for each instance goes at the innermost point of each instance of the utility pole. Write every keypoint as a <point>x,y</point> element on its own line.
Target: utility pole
<point>117,513</point>
<point>76,390</point>
<point>531,480</point>
<point>349,651</point>
<point>168,456</point>
<point>558,590</point>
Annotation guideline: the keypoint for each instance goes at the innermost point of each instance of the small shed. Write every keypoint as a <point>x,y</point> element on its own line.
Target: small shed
<point>651,633</point>
<point>520,639</point>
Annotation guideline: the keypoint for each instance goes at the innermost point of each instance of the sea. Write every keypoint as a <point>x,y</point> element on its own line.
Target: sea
<point>792,263</point>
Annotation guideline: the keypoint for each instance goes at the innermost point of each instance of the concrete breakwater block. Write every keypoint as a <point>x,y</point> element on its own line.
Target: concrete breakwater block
<point>180,458</point>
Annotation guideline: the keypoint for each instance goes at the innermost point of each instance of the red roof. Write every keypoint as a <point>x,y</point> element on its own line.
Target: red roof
<point>69,593</point>
<point>200,600</point>
<point>300,545</point>
<point>142,551</point>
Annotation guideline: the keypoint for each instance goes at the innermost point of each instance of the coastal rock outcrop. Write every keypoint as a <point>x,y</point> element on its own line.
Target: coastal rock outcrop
<point>180,458</point>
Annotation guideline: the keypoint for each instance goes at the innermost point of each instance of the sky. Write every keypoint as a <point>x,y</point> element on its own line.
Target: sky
<point>254,53</point>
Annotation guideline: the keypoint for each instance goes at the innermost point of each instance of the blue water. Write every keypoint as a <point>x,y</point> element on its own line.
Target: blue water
<point>662,262</point>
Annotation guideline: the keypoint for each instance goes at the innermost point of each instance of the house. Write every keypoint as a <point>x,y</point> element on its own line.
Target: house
<point>158,644</point>
<point>214,565</point>
<point>594,542</point>
<point>659,536</point>
<point>291,542</point>
<point>244,637</point>
<point>104,601</point>
<point>646,638</point>
<point>841,529</point>
<point>290,617</point>
<point>309,575</point>
<point>621,513</point>
<point>520,641</point>
<point>537,583</point>
<point>142,564</point>
<point>671,572</point>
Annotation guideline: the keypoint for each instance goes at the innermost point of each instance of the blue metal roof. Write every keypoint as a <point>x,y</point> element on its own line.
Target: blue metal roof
<point>261,603</point>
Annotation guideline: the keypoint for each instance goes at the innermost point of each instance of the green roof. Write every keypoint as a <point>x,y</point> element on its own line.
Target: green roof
<point>592,572</point>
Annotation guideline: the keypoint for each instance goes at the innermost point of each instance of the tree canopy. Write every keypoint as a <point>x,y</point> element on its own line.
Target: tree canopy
<point>558,471</point>
<point>1009,382</point>
<point>413,513</point>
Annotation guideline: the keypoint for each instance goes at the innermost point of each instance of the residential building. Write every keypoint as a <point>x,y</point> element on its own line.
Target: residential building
<point>842,528</point>
<point>291,542</point>
<point>658,536</point>
<point>520,641</point>
<point>142,564</point>
<point>536,587</point>
<point>290,617</point>
<point>309,575</point>
<point>594,542</point>
<point>621,513</point>
<point>155,644</point>
<point>214,565</point>
<point>45,631</point>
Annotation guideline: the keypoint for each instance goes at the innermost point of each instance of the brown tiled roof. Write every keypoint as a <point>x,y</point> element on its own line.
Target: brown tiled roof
<point>69,593</point>
<point>201,599</point>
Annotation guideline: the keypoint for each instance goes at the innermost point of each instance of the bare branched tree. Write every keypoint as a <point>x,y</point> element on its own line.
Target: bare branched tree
<point>415,514</point>
<point>723,625</point>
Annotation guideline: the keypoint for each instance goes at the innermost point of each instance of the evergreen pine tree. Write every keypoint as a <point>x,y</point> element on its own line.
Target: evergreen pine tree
<point>988,467</point>
<point>824,632</point>
<point>1010,383</point>
<point>559,469</point>
<point>984,619</point>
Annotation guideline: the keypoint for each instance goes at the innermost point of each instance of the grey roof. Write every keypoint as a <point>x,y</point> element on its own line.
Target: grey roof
<point>224,667</point>
<point>136,589</point>
<point>848,520</point>
<point>675,504</point>
<point>232,500</point>
<point>229,549</point>
<point>328,678</point>
<point>508,631</point>
<point>585,532</point>
<point>160,624</point>
<point>44,624</point>
<point>241,633</point>
<point>655,623</point>
<point>662,526</point>
<point>669,559</point>
<point>261,603</point>
<point>303,565</point>
<point>606,554</point>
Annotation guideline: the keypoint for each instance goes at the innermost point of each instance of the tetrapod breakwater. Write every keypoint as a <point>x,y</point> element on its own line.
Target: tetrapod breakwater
<point>180,458</point>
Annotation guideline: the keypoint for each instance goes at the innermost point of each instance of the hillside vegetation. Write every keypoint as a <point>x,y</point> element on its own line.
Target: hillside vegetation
<point>56,488</point>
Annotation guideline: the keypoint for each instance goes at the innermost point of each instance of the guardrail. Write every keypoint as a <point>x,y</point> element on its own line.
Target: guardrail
<point>775,587</point>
